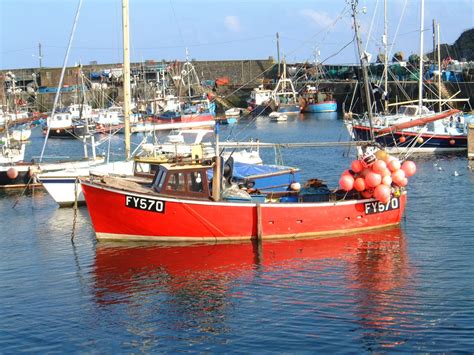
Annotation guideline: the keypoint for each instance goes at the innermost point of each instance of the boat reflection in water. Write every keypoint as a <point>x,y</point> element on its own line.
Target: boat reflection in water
<point>202,286</point>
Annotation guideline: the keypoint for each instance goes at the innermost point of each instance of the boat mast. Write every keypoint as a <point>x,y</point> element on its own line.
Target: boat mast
<point>363,63</point>
<point>61,78</point>
<point>278,52</point>
<point>439,69</point>
<point>420,79</point>
<point>126,76</point>
<point>385,65</point>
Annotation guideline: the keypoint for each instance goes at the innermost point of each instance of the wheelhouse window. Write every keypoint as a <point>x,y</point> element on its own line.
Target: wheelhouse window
<point>176,182</point>
<point>195,182</point>
<point>159,180</point>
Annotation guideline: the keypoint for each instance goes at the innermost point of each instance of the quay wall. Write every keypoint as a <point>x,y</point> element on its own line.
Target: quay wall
<point>36,86</point>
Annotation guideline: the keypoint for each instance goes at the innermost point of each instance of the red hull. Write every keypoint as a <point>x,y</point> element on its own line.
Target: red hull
<point>197,117</point>
<point>190,220</point>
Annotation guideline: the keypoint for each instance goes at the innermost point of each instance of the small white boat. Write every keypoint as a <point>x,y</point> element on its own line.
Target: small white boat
<point>233,112</point>
<point>20,134</point>
<point>278,116</point>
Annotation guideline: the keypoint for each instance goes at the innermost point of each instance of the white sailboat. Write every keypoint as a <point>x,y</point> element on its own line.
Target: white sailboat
<point>415,128</point>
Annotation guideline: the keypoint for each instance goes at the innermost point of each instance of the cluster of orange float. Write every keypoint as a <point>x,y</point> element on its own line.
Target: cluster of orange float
<point>377,175</point>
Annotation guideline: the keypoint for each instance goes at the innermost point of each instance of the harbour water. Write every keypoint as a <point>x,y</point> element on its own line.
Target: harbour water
<point>406,289</point>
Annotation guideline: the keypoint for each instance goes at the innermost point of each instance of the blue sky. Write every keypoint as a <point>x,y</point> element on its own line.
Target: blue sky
<point>216,29</point>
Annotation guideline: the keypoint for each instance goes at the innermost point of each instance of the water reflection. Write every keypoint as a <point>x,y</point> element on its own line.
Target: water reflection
<point>194,287</point>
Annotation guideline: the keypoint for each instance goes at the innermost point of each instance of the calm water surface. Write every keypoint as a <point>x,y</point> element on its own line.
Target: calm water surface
<point>405,289</point>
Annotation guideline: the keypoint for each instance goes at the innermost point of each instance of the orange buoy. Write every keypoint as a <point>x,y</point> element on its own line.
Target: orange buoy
<point>379,166</point>
<point>357,166</point>
<point>386,172</point>
<point>373,179</point>
<point>364,172</point>
<point>402,139</point>
<point>452,142</point>
<point>403,182</point>
<point>409,168</point>
<point>398,177</point>
<point>12,173</point>
<point>387,180</point>
<point>381,154</point>
<point>420,140</point>
<point>382,193</point>
<point>359,184</point>
<point>346,182</point>
<point>394,165</point>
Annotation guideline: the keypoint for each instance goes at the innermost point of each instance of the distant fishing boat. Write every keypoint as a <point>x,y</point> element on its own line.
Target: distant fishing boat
<point>315,101</point>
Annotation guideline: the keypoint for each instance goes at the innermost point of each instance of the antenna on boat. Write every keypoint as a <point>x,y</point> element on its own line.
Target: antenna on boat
<point>363,63</point>
<point>60,84</point>
<point>126,76</point>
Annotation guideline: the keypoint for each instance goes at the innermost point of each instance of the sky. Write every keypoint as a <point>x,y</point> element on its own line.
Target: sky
<point>218,29</point>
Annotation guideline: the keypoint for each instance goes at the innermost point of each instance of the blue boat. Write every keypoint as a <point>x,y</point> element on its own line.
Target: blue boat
<point>316,101</point>
<point>318,107</point>
<point>289,108</point>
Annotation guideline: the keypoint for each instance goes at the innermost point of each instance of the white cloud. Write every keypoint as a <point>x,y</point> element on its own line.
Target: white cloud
<point>319,18</point>
<point>232,23</point>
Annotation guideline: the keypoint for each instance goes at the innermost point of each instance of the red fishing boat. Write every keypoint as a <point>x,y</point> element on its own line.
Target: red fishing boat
<point>181,206</point>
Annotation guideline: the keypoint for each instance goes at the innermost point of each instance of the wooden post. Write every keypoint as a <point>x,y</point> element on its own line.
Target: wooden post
<point>259,222</point>
<point>470,141</point>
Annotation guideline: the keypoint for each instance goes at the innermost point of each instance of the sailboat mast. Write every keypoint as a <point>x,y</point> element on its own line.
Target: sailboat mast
<point>278,52</point>
<point>385,65</point>
<point>420,79</point>
<point>439,69</point>
<point>363,63</point>
<point>126,76</point>
<point>61,78</point>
